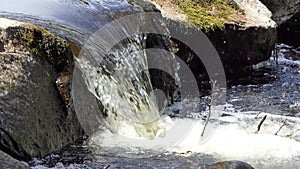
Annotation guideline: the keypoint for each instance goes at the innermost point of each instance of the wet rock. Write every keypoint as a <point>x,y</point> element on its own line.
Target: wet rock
<point>286,13</point>
<point>240,44</point>
<point>231,165</point>
<point>35,113</point>
<point>248,42</point>
<point>282,10</point>
<point>8,162</point>
<point>10,146</point>
<point>241,47</point>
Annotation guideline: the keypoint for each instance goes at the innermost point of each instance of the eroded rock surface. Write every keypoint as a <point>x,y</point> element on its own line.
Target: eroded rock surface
<point>34,118</point>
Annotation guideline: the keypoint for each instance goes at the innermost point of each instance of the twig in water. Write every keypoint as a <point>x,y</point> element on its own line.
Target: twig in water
<point>280,127</point>
<point>106,167</point>
<point>260,123</point>
<point>209,106</point>
<point>276,54</point>
<point>258,114</point>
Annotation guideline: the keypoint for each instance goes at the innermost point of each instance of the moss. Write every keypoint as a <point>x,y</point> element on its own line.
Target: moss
<point>208,14</point>
<point>45,45</point>
<point>131,2</point>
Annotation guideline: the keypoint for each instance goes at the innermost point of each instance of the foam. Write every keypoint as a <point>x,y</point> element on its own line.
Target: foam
<point>232,137</point>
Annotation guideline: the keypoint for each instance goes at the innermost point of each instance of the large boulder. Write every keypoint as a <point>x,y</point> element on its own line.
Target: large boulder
<point>36,114</point>
<point>244,42</point>
<point>248,41</point>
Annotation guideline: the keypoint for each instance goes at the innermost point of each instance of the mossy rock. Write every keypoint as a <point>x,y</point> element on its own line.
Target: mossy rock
<point>44,44</point>
<point>207,14</point>
<point>36,117</point>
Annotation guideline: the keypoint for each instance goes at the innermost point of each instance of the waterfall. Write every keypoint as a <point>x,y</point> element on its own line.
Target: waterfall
<point>118,76</point>
<point>122,85</point>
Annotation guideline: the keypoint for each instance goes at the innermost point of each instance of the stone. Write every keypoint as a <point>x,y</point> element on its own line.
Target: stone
<point>286,13</point>
<point>247,41</point>
<point>7,162</point>
<point>35,113</point>
<point>282,10</point>
<point>231,165</point>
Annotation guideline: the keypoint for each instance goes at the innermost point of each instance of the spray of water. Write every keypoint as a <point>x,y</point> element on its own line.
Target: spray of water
<point>121,83</point>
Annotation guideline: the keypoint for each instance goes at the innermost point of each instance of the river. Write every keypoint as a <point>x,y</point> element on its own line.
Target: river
<point>271,89</point>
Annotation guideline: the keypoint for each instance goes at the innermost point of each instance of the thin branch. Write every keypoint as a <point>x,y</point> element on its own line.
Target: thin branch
<point>281,127</point>
<point>207,119</point>
<point>206,102</point>
<point>258,114</point>
<point>260,123</point>
<point>276,54</point>
<point>209,106</point>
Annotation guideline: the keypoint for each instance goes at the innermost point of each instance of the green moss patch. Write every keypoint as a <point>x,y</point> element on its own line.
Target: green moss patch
<point>208,14</point>
<point>44,44</point>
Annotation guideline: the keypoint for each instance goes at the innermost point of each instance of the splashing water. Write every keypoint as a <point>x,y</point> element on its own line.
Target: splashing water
<point>123,89</point>
<point>234,138</point>
<point>122,84</point>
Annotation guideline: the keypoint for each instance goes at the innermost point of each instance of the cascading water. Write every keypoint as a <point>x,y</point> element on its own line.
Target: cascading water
<point>114,66</point>
<point>122,84</point>
<point>119,80</point>
<point>236,136</point>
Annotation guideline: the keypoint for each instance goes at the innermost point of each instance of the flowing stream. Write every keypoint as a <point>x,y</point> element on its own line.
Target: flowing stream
<point>134,133</point>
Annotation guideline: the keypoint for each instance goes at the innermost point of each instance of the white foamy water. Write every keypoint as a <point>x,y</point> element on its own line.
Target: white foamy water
<point>234,138</point>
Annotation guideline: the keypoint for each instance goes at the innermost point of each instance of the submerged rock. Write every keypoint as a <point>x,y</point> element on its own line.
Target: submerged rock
<point>35,116</point>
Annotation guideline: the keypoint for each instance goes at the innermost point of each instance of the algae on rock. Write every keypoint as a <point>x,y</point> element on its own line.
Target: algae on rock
<point>43,43</point>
